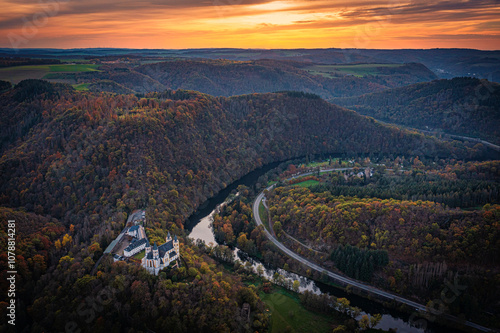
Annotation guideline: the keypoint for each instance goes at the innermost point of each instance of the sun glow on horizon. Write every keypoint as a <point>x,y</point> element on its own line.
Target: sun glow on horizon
<point>274,5</point>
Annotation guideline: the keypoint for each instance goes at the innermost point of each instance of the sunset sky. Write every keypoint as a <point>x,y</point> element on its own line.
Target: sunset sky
<point>176,24</point>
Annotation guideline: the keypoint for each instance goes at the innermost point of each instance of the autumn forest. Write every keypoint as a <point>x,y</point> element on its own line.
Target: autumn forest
<point>383,173</point>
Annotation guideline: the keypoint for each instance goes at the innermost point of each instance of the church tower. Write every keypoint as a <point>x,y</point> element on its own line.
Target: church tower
<point>155,251</point>
<point>159,257</point>
<point>176,245</point>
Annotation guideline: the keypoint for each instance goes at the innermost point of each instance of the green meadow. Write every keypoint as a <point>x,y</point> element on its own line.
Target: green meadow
<point>288,315</point>
<point>15,74</point>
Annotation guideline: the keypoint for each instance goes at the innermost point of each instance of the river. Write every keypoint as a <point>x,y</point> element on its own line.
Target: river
<point>199,227</point>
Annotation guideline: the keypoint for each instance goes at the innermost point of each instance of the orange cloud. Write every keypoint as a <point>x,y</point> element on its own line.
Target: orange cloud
<point>250,23</point>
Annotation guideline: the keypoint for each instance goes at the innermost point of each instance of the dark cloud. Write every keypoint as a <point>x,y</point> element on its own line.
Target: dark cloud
<point>96,6</point>
<point>453,10</point>
<point>144,3</point>
<point>11,23</point>
<point>450,37</point>
<point>356,10</point>
<point>118,9</point>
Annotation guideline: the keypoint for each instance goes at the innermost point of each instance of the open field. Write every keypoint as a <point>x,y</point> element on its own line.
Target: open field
<point>308,183</point>
<point>263,214</point>
<point>81,86</point>
<point>287,315</point>
<point>76,60</point>
<point>18,73</point>
<point>74,68</point>
<point>359,70</point>
<point>322,164</point>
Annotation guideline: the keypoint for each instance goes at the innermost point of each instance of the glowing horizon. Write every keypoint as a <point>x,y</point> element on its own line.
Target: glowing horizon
<point>259,24</point>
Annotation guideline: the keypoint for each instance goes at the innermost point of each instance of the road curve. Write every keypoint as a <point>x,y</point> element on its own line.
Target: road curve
<point>343,279</point>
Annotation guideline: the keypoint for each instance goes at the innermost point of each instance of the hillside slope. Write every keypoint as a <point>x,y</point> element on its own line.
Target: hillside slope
<point>89,159</point>
<point>195,141</point>
<point>227,78</point>
<point>446,63</point>
<point>463,106</point>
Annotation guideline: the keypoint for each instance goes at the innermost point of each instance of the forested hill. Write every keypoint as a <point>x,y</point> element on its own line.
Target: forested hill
<point>76,163</point>
<point>174,149</point>
<point>463,106</point>
<point>228,78</point>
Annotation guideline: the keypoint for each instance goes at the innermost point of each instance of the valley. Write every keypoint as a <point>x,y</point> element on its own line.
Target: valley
<point>359,207</point>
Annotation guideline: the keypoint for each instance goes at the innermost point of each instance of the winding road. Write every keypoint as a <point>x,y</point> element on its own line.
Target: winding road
<point>443,134</point>
<point>346,280</point>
